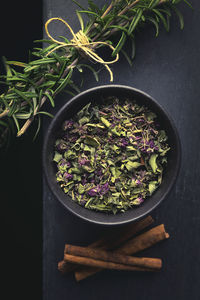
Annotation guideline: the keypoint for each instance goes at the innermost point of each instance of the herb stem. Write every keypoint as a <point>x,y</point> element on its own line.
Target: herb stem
<point>4,113</point>
<point>128,7</point>
<point>43,100</point>
<point>107,10</point>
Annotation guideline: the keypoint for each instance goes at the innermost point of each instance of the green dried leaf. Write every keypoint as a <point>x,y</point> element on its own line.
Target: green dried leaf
<point>92,141</point>
<point>57,157</point>
<point>70,154</point>
<point>131,165</point>
<point>152,186</point>
<point>152,162</point>
<point>105,122</point>
<point>115,172</point>
<point>84,120</point>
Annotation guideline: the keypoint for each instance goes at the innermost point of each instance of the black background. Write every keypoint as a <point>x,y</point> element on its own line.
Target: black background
<point>20,170</point>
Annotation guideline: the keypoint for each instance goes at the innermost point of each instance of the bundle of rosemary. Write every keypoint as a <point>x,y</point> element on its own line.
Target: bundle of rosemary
<point>29,85</point>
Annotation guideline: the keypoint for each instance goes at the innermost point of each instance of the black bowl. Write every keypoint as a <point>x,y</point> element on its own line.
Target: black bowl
<point>69,110</point>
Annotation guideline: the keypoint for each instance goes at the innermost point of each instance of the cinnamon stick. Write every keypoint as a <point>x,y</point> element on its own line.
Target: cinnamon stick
<point>145,240</point>
<point>111,256</point>
<point>119,236</point>
<point>102,264</point>
<point>112,240</point>
<point>139,243</point>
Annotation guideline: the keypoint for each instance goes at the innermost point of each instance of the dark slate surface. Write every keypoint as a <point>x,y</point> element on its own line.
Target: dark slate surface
<point>168,68</point>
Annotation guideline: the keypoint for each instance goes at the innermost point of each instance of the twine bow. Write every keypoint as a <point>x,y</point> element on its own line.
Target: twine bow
<point>81,41</point>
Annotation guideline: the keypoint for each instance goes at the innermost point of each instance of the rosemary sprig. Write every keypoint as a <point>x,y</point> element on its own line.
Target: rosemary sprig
<point>41,79</point>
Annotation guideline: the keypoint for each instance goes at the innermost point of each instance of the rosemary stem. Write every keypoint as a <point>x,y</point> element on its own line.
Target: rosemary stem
<point>4,113</point>
<point>123,11</point>
<point>104,14</point>
<point>107,10</point>
<point>43,100</point>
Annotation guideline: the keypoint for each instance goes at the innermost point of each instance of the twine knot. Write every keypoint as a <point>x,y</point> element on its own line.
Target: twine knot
<point>81,42</point>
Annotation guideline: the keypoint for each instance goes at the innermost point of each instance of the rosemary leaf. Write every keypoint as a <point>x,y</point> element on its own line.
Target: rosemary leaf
<point>64,82</point>
<point>120,44</point>
<point>162,18</point>
<point>50,98</point>
<point>79,67</point>
<point>135,21</point>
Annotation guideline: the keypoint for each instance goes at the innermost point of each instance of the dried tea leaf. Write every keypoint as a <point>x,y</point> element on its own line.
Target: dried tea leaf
<point>57,157</point>
<point>110,157</point>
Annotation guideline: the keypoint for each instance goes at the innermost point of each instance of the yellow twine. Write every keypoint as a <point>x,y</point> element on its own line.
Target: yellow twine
<point>81,41</point>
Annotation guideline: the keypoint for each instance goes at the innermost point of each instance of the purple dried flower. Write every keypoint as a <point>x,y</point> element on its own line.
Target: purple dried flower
<point>83,161</point>
<point>92,192</point>
<point>67,124</point>
<point>72,138</point>
<point>151,144</point>
<point>104,188</point>
<point>138,181</point>
<point>98,188</point>
<point>83,181</point>
<point>124,142</point>
<point>67,176</point>
<point>99,172</point>
<point>99,131</point>
<point>142,173</point>
<point>83,202</point>
<point>137,137</point>
<point>63,163</point>
<point>140,200</point>
<point>149,151</point>
<point>66,136</point>
<point>61,146</point>
<point>59,176</point>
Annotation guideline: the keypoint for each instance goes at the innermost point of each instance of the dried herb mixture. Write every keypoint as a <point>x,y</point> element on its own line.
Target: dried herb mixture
<point>110,157</point>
